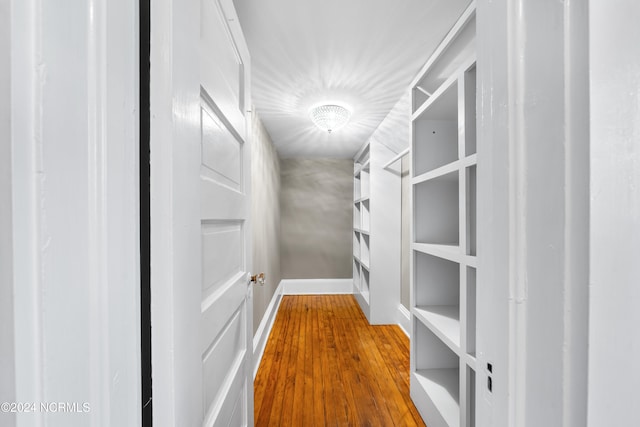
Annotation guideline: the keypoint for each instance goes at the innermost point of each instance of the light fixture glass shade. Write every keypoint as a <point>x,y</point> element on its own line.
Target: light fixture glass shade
<point>329,117</point>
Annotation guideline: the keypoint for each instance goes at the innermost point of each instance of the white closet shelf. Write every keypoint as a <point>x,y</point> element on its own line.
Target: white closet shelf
<point>438,172</point>
<point>437,98</point>
<point>441,387</point>
<point>361,231</point>
<point>362,263</point>
<point>470,160</point>
<point>442,320</point>
<point>361,199</point>
<point>449,252</point>
<point>471,261</point>
<point>470,360</point>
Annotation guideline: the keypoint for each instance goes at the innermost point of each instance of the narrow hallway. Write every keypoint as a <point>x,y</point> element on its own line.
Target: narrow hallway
<point>324,365</point>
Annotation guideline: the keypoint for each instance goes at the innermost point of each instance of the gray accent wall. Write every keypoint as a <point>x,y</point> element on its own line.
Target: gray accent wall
<point>265,217</point>
<point>316,218</point>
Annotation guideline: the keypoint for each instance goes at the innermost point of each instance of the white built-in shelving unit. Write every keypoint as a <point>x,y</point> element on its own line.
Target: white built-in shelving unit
<point>376,234</point>
<point>443,230</point>
<point>361,225</point>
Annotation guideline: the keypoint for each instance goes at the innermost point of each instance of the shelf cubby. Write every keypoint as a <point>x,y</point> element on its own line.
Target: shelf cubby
<point>365,257</point>
<point>437,281</point>
<point>471,398</point>
<point>365,223</point>
<point>356,244</point>
<point>365,181</point>
<point>436,379</point>
<point>356,187</point>
<point>468,89</point>
<point>437,297</point>
<point>470,308</point>
<point>364,283</point>
<point>471,231</point>
<point>436,206</point>
<point>435,134</point>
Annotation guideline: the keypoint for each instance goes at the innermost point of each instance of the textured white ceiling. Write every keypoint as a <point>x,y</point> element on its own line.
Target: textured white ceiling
<point>360,52</point>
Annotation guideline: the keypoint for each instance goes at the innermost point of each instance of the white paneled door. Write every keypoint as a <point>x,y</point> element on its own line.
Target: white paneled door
<point>201,292</point>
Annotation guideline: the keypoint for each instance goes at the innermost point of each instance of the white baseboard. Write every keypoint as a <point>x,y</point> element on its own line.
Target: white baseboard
<point>317,286</point>
<point>264,329</point>
<point>404,319</point>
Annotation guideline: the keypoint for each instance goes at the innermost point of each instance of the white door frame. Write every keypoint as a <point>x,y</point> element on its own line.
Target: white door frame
<point>533,212</point>
<point>70,229</point>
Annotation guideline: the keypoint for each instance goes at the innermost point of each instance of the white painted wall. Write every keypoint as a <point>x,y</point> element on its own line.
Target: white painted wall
<point>74,208</point>
<point>532,212</point>
<point>265,218</point>
<point>614,273</point>
<point>7,379</point>
<point>405,241</point>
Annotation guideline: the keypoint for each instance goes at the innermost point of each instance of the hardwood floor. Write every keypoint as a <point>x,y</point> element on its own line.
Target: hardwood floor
<point>324,365</point>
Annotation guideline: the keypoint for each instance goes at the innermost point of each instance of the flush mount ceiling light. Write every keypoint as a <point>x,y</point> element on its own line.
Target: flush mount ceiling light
<point>329,117</point>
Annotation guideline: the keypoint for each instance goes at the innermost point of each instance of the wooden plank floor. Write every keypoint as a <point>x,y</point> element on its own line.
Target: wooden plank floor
<point>324,365</point>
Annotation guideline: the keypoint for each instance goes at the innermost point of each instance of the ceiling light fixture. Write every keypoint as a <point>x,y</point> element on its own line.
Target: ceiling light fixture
<point>329,117</point>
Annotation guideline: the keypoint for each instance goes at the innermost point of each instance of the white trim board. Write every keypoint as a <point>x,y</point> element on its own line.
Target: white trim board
<point>264,329</point>
<point>403,317</point>
<point>316,286</point>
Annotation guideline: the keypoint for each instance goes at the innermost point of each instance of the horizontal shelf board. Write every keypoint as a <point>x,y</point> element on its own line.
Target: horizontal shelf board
<point>444,321</point>
<point>361,231</point>
<point>362,263</point>
<point>471,261</point>
<point>470,360</point>
<point>442,387</point>
<point>470,160</point>
<point>361,199</point>
<point>449,252</point>
<point>437,173</point>
<point>436,96</point>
